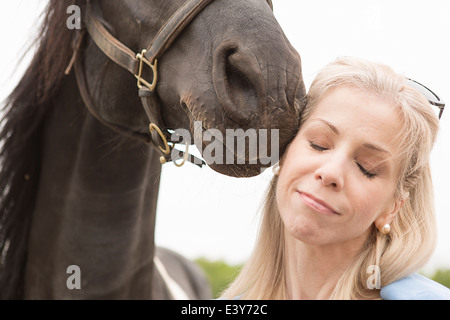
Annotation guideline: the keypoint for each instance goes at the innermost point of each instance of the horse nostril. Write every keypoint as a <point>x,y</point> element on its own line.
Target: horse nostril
<point>242,92</point>
<point>238,82</point>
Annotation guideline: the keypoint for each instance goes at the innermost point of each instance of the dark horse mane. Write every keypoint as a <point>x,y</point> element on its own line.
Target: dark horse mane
<point>20,141</point>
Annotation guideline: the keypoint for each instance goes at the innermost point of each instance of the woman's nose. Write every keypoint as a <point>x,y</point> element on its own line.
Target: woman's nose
<point>331,173</point>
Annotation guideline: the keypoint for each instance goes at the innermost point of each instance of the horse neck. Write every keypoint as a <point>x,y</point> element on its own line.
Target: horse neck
<point>95,208</point>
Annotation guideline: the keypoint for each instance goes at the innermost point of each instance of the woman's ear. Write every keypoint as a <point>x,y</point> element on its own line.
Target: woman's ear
<point>389,216</point>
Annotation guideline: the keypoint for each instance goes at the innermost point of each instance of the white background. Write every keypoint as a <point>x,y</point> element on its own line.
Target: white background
<point>202,213</point>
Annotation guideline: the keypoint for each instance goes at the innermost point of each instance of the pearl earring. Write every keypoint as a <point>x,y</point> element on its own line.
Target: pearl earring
<point>386,228</point>
<point>276,169</point>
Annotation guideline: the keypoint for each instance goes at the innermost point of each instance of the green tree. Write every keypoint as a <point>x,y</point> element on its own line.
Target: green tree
<point>219,273</point>
<point>443,277</point>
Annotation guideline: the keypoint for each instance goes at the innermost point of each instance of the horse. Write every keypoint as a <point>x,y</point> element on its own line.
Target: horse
<point>80,163</point>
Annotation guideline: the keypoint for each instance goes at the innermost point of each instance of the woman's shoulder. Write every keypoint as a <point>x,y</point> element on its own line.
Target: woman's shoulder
<point>415,287</point>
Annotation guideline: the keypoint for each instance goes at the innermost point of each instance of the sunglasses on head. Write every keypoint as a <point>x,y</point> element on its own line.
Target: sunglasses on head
<point>430,95</point>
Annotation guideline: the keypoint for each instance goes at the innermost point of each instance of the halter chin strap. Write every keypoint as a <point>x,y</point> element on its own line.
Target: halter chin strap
<point>135,64</point>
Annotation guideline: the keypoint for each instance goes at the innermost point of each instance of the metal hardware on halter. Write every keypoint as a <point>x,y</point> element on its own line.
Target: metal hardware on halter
<point>154,66</point>
<point>166,149</point>
<point>185,157</point>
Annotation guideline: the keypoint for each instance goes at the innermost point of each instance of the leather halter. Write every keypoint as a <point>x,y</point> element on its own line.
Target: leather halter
<point>134,63</point>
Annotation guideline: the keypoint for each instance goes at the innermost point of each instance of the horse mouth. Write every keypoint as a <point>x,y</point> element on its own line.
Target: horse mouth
<point>238,171</point>
<point>238,152</point>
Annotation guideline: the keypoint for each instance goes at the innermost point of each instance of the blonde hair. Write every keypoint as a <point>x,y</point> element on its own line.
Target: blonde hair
<point>412,238</point>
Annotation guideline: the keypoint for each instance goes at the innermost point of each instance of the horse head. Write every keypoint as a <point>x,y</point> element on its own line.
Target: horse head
<point>231,68</point>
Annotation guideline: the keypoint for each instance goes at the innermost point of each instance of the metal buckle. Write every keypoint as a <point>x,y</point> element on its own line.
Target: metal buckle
<point>142,82</point>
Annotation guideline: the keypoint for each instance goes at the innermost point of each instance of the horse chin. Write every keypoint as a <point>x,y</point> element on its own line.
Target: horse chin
<point>239,153</point>
<point>232,164</point>
<point>238,170</point>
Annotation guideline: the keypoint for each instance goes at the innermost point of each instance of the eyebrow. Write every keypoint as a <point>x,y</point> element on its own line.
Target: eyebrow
<point>366,145</point>
<point>332,127</point>
<point>374,147</point>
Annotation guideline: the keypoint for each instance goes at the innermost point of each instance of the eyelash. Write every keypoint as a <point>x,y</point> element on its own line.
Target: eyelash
<point>366,173</point>
<point>317,147</point>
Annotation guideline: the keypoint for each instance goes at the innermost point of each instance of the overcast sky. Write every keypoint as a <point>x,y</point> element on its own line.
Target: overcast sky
<point>202,213</point>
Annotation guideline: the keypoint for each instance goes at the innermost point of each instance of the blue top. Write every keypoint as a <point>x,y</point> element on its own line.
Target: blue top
<point>415,287</point>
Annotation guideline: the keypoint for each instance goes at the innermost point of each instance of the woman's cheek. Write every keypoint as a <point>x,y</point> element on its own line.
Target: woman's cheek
<point>366,206</point>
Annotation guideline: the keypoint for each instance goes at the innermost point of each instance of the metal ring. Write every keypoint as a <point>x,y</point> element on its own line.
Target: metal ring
<point>185,157</point>
<point>166,149</point>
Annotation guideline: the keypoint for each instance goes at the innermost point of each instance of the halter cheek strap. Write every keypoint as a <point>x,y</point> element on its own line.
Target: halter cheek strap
<point>134,63</point>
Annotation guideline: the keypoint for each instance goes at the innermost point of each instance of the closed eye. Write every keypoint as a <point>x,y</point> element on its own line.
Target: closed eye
<point>363,170</point>
<point>317,147</point>
<point>368,174</point>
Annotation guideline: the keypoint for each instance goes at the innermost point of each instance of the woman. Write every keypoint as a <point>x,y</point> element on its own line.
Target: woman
<point>350,208</point>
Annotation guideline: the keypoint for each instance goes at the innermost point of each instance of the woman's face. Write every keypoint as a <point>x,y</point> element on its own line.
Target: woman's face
<point>339,174</point>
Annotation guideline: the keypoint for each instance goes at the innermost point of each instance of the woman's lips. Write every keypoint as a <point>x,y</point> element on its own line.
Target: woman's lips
<point>316,204</point>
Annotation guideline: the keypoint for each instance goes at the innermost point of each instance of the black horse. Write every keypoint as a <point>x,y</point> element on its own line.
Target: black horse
<point>75,192</point>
